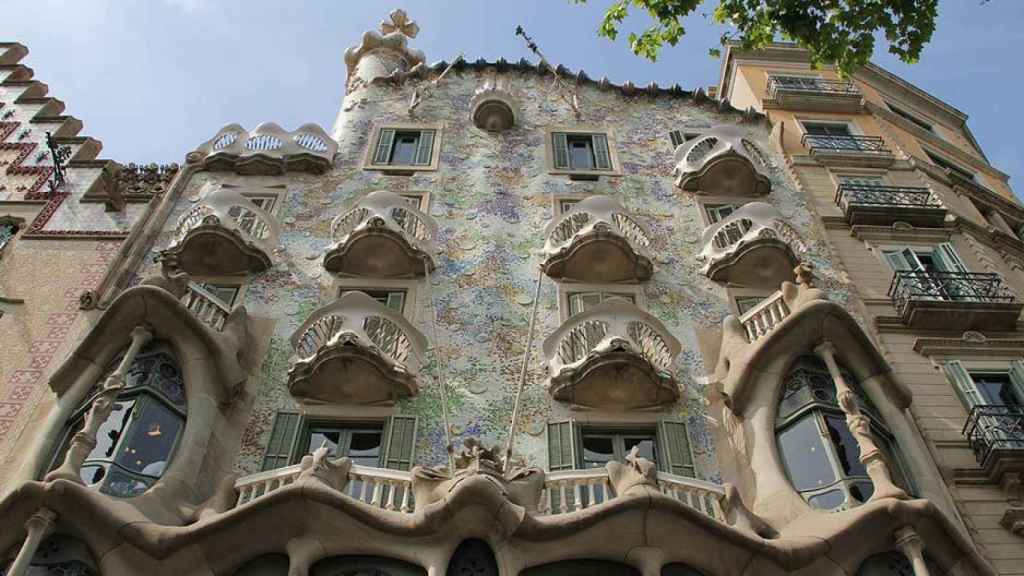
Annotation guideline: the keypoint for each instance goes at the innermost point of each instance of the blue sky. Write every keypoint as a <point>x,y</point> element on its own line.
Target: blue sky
<point>152,79</point>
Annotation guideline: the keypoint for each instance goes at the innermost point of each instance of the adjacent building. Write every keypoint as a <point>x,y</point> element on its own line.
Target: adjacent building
<point>509,319</point>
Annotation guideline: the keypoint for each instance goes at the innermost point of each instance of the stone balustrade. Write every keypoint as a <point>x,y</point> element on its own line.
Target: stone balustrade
<point>383,235</point>
<point>764,317</point>
<point>268,149</point>
<point>206,307</point>
<point>613,355</point>
<point>724,161</point>
<point>597,241</point>
<point>378,487</point>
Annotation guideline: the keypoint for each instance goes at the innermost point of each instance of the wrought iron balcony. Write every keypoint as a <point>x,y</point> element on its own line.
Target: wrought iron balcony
<point>224,233</point>
<point>357,351</point>
<point>613,356</point>
<point>722,161</point>
<point>954,300</point>
<point>856,150</point>
<point>996,434</point>
<point>804,93</point>
<point>753,246</point>
<point>597,241</point>
<point>269,149</point>
<point>381,237</point>
<point>882,205</point>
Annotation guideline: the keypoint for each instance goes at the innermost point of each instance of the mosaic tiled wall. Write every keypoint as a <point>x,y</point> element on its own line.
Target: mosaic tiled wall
<point>492,196</point>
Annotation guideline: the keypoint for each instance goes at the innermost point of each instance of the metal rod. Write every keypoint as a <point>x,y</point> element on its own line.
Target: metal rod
<point>522,371</point>
<point>442,380</point>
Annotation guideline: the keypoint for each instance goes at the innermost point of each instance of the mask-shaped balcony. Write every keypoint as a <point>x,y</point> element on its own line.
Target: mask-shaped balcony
<point>597,241</point>
<point>879,204</point>
<point>941,300</point>
<point>267,150</point>
<point>722,161</point>
<point>355,351</point>
<point>383,236</point>
<point>753,246</point>
<point>223,234</point>
<point>613,356</point>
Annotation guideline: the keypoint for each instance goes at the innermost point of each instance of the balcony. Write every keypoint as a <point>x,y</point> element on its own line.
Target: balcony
<point>954,301</point>
<point>722,161</point>
<point>355,351</point>
<point>613,356</point>
<point>597,241</point>
<point>206,307</point>
<point>267,150</point>
<point>868,151</point>
<point>812,94</point>
<point>224,234</point>
<point>996,434</point>
<point>381,237</point>
<point>753,246</point>
<point>883,205</point>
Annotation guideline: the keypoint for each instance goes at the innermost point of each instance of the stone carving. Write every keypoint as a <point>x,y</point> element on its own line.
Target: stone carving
<point>146,181</point>
<point>739,516</point>
<point>637,471</point>
<point>522,486</point>
<point>974,337</point>
<point>319,466</point>
<point>400,22</point>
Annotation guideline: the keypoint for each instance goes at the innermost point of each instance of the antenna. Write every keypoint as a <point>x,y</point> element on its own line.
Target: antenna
<point>572,100</point>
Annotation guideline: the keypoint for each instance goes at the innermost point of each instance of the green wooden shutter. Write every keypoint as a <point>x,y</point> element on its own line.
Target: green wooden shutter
<point>900,261</point>
<point>400,445</point>
<point>282,440</point>
<point>949,260</point>
<point>1017,377</point>
<point>384,144</point>
<point>676,457</point>
<point>561,445</point>
<point>963,384</point>
<point>602,158</point>
<point>425,148</point>
<point>560,149</point>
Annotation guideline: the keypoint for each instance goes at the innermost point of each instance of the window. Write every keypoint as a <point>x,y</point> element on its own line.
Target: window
<point>718,212</point>
<point>678,137</point>
<point>265,203</point>
<point>909,117</point>
<point>580,152</point>
<point>377,444</point>
<point>827,129</point>
<point>936,273</point>
<point>746,303</point>
<point>819,452</point>
<point>731,233</point>
<point>567,204</point>
<point>583,301</point>
<point>411,147</point>
<point>946,164</point>
<point>139,438</point>
<point>861,179</point>
<point>394,299</point>
<point>667,443</point>
<point>988,387</point>
<point>226,294</point>
<point>602,446</point>
<point>8,230</point>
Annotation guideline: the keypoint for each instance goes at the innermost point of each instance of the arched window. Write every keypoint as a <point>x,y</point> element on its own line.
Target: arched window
<point>137,441</point>
<point>892,563</point>
<point>820,454</point>
<point>364,566</point>
<point>582,567</point>
<point>472,558</point>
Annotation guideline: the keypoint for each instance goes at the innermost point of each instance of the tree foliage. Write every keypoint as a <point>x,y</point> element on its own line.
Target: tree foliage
<point>841,32</point>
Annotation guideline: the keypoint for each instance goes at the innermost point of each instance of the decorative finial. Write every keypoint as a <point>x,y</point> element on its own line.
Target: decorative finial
<point>400,22</point>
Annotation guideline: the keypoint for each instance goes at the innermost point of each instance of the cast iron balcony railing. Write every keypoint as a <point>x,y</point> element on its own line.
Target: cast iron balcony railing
<point>883,204</point>
<point>224,234</point>
<point>845,144</point>
<point>355,350</point>
<point>812,94</point>
<point>753,240</point>
<point>804,85</point>
<point>994,430</point>
<point>954,300</point>
<point>724,161</point>
<point>613,356</point>
<point>383,236</point>
<point>597,241</point>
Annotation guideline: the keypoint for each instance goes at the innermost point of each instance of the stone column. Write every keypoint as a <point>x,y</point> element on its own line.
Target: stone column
<point>39,526</point>
<point>84,441</point>
<point>910,544</point>
<point>860,427</point>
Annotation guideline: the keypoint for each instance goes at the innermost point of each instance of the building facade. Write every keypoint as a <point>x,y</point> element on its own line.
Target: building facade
<point>507,319</point>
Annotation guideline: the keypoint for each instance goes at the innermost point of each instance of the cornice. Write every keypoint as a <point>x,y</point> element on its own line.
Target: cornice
<point>900,232</point>
<point>975,347</point>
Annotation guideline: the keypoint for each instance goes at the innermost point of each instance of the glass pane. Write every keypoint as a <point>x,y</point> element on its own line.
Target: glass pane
<point>846,449</point>
<point>93,474</point>
<point>827,500</point>
<point>167,379</point>
<point>645,444</point>
<point>996,389</point>
<point>862,491</point>
<point>404,151</point>
<point>745,303</point>
<point>324,437</point>
<point>581,154</point>
<point>124,485</point>
<point>567,204</point>
<point>225,293</point>
<point>803,454</point>
<point>364,448</point>
<point>150,439</point>
<point>597,450</point>
<point>111,430</point>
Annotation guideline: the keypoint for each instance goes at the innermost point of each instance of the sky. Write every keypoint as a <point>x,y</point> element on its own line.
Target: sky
<point>153,79</point>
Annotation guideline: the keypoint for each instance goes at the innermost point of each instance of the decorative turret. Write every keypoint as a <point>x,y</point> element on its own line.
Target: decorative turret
<point>381,55</point>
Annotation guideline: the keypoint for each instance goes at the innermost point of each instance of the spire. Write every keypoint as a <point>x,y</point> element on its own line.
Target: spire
<point>380,55</point>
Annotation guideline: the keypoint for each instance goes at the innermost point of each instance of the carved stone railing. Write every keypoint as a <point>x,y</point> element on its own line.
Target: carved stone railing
<point>882,204</point>
<point>597,241</point>
<point>378,487</point>
<point>764,317</point>
<point>613,356</point>
<point>954,300</point>
<point>224,233</point>
<point>206,307</point>
<point>355,350</point>
<point>268,149</point>
<point>381,236</point>
<point>722,161</point>
<point>573,490</point>
<point>737,240</point>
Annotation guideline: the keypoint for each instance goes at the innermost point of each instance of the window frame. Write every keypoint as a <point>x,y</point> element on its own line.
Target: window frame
<point>240,284</point>
<point>374,142</point>
<point>851,126</point>
<point>618,434</point>
<point>565,290</point>
<point>409,285</point>
<point>943,163</point>
<point>557,203</point>
<point>912,117</point>
<point>549,155</point>
<point>302,445</point>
